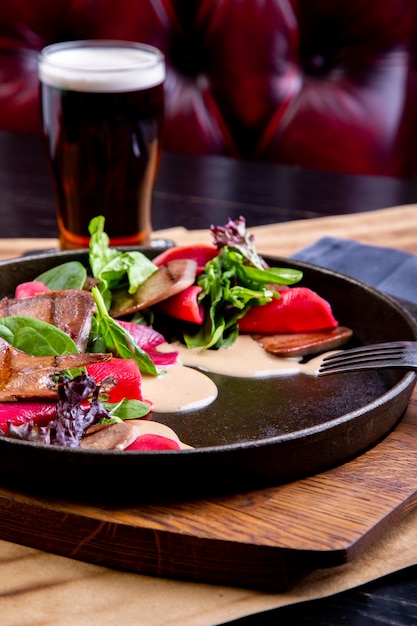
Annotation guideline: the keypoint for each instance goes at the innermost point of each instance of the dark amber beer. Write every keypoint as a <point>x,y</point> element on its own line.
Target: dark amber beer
<point>102,116</point>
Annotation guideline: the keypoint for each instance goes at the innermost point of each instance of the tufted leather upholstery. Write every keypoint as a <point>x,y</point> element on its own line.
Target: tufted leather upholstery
<point>326,84</point>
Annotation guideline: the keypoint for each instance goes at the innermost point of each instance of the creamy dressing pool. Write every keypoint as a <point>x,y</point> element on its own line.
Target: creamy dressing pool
<point>184,388</point>
<point>178,389</point>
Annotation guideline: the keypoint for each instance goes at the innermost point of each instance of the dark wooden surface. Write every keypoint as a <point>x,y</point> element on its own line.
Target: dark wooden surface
<point>195,192</point>
<point>280,533</point>
<point>386,602</point>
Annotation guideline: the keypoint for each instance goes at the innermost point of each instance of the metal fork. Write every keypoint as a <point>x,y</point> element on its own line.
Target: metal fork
<point>396,354</point>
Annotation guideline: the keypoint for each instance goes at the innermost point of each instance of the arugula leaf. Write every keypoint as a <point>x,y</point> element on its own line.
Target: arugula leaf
<point>117,340</point>
<point>270,276</point>
<point>70,275</point>
<point>36,337</point>
<point>230,286</point>
<point>113,268</point>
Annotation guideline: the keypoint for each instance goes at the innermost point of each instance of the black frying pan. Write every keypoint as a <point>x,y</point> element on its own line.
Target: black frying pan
<point>257,433</point>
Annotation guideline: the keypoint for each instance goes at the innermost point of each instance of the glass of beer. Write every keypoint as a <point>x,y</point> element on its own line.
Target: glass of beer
<point>102,116</point>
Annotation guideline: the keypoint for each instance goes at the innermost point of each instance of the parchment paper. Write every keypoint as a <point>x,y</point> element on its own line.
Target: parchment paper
<point>40,588</point>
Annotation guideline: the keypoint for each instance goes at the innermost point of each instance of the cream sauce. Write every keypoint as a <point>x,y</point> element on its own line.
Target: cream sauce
<point>244,359</point>
<point>185,388</point>
<point>178,389</point>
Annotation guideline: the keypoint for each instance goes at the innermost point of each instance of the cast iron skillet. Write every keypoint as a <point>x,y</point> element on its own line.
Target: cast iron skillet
<point>256,434</point>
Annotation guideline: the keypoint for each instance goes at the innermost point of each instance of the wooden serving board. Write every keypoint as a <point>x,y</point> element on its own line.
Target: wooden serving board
<point>265,539</point>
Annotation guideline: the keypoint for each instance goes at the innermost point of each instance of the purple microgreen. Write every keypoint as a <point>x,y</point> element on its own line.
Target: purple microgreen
<point>74,413</point>
<point>77,408</point>
<point>235,235</point>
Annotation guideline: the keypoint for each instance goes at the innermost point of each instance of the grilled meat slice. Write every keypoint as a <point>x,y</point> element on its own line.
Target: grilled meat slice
<point>70,310</point>
<point>302,344</point>
<point>24,376</point>
<point>169,280</point>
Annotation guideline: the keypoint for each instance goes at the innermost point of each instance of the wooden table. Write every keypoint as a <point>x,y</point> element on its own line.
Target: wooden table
<point>195,192</point>
<point>220,189</point>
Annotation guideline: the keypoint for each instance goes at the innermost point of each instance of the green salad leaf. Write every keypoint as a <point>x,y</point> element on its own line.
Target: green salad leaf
<point>70,275</point>
<point>126,409</point>
<point>116,339</point>
<point>231,285</point>
<point>234,235</point>
<point>114,268</point>
<point>36,337</point>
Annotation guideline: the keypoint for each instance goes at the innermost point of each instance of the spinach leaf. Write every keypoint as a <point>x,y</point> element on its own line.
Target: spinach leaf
<point>35,337</point>
<point>230,286</point>
<point>133,267</point>
<point>100,252</point>
<point>113,268</point>
<point>119,341</point>
<point>127,409</point>
<point>70,275</point>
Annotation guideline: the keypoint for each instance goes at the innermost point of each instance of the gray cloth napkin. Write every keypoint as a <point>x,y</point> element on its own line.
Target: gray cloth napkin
<point>392,271</point>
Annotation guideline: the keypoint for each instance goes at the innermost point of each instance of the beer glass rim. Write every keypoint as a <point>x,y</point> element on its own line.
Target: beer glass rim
<point>53,70</point>
<point>46,52</point>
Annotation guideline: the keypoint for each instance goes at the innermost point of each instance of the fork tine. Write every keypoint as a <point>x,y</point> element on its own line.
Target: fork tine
<point>370,359</point>
<point>361,357</point>
<point>353,367</point>
<point>364,357</point>
<point>383,349</point>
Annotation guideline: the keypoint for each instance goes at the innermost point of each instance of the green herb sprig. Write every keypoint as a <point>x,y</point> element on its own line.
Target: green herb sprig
<point>234,281</point>
<point>114,268</point>
<point>116,339</point>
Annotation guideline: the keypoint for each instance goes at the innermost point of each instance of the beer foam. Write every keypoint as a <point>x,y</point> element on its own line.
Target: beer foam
<point>101,69</point>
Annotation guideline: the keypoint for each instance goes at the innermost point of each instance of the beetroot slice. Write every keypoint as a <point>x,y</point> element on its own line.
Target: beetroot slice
<point>31,288</point>
<point>153,442</point>
<point>298,309</point>
<point>127,374</point>
<point>184,306</point>
<point>201,253</point>
<point>17,413</point>
<point>149,339</point>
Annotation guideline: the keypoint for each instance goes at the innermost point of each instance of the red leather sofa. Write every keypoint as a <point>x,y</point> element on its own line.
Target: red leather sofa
<point>325,84</point>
